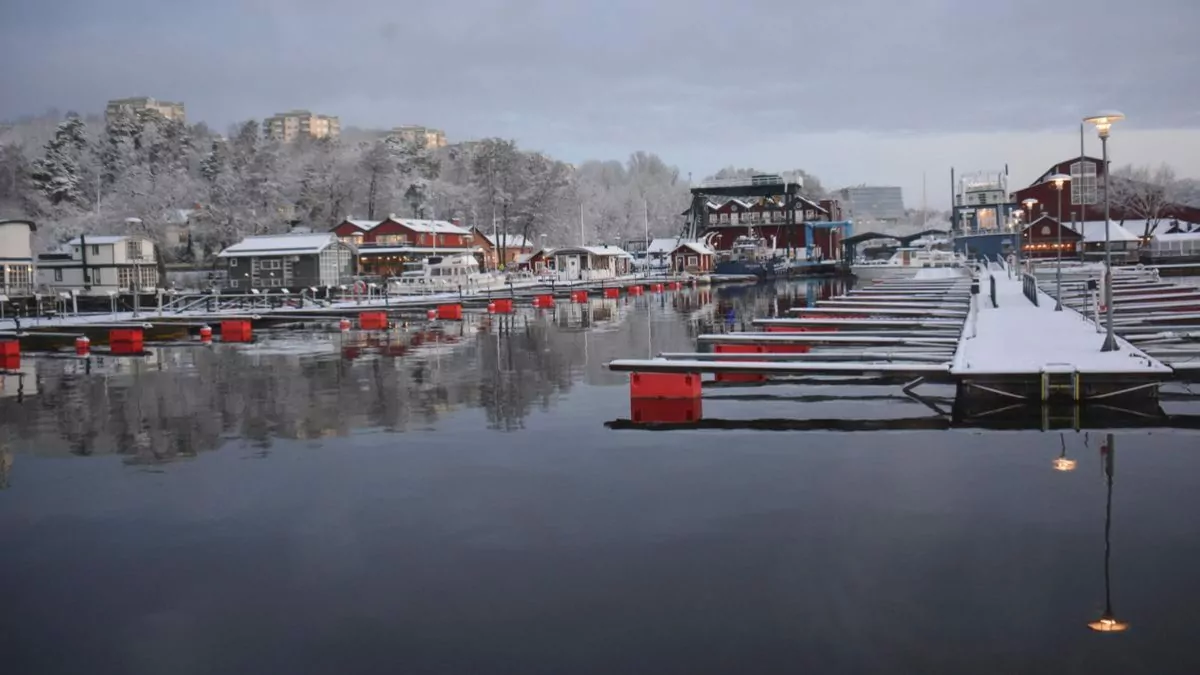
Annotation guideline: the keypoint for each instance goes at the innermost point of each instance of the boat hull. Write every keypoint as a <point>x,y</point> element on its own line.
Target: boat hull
<point>873,272</point>
<point>767,269</point>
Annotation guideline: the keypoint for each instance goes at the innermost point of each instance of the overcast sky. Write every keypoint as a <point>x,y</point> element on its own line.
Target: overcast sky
<point>876,91</point>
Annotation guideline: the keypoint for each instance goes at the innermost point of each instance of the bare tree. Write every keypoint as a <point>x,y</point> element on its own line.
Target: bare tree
<point>1144,193</point>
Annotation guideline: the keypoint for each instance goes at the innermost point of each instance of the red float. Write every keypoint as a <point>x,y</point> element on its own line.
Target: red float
<point>664,385</point>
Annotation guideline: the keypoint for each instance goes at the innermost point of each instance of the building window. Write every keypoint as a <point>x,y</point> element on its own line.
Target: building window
<point>270,264</point>
<point>58,275</point>
<point>95,249</point>
<point>125,277</point>
<point>691,261</point>
<point>233,283</point>
<point>133,249</point>
<point>233,262</point>
<point>1083,183</point>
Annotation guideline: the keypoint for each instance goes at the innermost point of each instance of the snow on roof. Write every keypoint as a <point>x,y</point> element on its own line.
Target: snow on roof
<point>280,244</point>
<point>430,226</point>
<point>604,250</point>
<point>662,245</point>
<point>1177,236</point>
<point>695,246</point>
<point>1049,340</point>
<point>507,240</point>
<point>364,224</point>
<point>100,239</point>
<point>1093,231</point>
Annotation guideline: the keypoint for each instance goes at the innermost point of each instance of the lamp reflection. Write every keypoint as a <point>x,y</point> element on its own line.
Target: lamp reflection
<point>1108,623</point>
<point>1061,463</point>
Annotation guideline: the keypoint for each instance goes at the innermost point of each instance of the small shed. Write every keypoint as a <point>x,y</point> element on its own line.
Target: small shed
<point>592,262</point>
<point>692,257</point>
<point>1041,239</point>
<point>288,261</point>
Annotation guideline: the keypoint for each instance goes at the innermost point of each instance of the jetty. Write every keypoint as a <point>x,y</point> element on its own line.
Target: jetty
<point>990,332</point>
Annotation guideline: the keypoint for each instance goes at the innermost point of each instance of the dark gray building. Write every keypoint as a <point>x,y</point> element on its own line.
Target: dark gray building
<point>291,261</point>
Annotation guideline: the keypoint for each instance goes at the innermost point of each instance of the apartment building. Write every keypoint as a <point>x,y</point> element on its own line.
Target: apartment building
<point>289,126</point>
<point>424,137</point>
<point>168,109</point>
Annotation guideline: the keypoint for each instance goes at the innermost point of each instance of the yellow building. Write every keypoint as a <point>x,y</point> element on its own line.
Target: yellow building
<point>424,137</point>
<point>289,126</point>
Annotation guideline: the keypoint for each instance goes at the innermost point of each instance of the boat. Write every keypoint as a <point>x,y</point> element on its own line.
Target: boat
<point>750,256</point>
<point>457,273</point>
<point>905,262</point>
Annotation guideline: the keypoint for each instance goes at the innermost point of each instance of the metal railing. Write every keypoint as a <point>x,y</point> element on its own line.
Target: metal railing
<point>992,291</point>
<point>1029,285</point>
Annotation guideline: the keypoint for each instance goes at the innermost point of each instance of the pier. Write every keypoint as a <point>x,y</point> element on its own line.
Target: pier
<point>994,336</point>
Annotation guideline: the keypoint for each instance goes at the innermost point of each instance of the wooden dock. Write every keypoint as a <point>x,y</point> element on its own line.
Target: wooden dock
<point>994,336</point>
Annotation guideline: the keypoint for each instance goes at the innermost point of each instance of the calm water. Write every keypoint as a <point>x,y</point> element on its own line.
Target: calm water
<point>322,504</point>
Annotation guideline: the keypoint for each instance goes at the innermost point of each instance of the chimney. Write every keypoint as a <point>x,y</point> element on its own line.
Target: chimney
<point>456,221</point>
<point>391,216</point>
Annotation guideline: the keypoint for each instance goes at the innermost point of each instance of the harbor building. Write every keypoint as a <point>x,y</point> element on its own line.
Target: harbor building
<point>16,257</point>
<point>100,264</point>
<point>291,261</point>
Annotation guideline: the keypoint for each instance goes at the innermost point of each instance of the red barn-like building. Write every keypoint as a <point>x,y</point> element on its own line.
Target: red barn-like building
<point>385,246</point>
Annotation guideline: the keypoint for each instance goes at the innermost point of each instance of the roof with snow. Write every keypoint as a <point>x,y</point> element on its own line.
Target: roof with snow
<point>507,240</point>
<point>430,226</point>
<point>662,246</point>
<point>605,250</point>
<point>363,225</point>
<point>1093,231</point>
<point>280,244</point>
<point>100,239</point>
<point>695,246</point>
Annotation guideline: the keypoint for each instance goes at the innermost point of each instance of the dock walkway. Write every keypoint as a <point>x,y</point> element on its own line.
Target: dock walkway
<point>1018,337</point>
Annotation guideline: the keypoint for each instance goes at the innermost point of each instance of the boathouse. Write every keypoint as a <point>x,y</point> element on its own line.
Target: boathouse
<point>290,261</point>
<point>692,257</point>
<point>1041,239</point>
<point>385,246</point>
<point>16,257</point>
<point>98,264</point>
<point>491,245</point>
<point>577,263</point>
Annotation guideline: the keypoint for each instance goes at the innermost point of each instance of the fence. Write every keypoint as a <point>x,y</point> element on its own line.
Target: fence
<point>1029,284</point>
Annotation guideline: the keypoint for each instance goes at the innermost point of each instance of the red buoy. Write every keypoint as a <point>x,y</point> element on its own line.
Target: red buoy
<point>206,335</point>
<point>83,346</point>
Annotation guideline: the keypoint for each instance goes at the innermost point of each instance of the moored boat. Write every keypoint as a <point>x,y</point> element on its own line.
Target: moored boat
<point>457,273</point>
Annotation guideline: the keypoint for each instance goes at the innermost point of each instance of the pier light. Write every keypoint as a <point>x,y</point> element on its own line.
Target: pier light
<point>1059,180</point>
<point>1103,122</point>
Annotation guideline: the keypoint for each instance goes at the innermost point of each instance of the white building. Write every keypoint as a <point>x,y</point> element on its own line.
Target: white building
<point>97,264</point>
<point>16,257</point>
<point>589,263</point>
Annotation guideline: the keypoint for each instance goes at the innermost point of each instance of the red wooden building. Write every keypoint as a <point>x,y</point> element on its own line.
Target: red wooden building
<point>769,217</point>
<point>1040,239</point>
<point>385,246</point>
<point>1083,196</point>
<point>692,257</point>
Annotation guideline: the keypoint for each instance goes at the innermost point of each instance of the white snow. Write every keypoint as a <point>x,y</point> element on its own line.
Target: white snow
<point>280,244</point>
<point>1020,338</point>
<point>1093,231</point>
<point>431,226</point>
<point>98,239</point>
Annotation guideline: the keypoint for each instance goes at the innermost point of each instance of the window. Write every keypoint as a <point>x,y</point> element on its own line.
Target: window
<point>233,283</point>
<point>58,275</point>
<point>271,264</point>
<point>133,249</point>
<point>125,277</point>
<point>233,262</point>
<point>691,261</point>
<point>95,249</point>
<point>148,276</point>
<point>1083,183</point>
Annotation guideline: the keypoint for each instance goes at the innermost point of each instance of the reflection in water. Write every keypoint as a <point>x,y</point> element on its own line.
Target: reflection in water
<point>1108,623</point>
<point>1061,463</point>
<point>308,385</point>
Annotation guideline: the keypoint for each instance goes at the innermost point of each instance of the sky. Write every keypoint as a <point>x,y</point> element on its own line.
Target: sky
<point>854,91</point>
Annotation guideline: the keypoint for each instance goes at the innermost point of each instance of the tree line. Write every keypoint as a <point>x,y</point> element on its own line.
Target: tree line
<point>142,173</point>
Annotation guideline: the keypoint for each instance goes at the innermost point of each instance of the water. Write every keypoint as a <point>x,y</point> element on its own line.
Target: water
<point>461,508</point>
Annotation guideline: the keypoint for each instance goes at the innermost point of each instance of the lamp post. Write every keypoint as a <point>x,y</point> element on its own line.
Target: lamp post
<point>1059,179</point>
<point>1104,121</point>
<point>1028,202</point>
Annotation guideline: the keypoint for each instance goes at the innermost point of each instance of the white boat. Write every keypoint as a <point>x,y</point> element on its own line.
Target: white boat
<point>456,273</point>
<point>905,262</point>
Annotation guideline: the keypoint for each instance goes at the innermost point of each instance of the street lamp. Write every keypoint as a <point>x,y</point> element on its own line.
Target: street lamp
<point>1028,202</point>
<point>1059,179</point>
<point>1104,121</point>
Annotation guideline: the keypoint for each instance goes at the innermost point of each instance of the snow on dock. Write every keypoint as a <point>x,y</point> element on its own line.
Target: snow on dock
<point>1018,338</point>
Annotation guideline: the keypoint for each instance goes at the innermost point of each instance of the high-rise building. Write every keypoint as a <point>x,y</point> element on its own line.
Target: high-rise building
<point>289,126</point>
<point>168,109</point>
<point>873,203</point>
<point>424,137</point>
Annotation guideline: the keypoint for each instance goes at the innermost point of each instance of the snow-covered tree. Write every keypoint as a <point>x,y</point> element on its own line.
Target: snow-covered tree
<point>57,174</point>
<point>1144,193</point>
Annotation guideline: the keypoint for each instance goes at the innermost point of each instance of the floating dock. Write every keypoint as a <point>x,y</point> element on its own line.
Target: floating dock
<point>993,335</point>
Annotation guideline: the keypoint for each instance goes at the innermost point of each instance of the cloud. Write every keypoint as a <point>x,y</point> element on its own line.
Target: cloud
<point>620,73</point>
